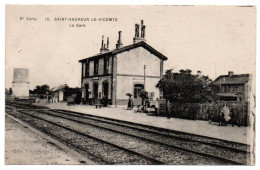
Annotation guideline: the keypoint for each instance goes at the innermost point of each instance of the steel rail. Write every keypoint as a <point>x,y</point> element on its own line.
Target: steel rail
<point>97,118</point>
<point>163,129</point>
<point>153,127</point>
<point>154,132</point>
<point>151,140</point>
<point>101,140</point>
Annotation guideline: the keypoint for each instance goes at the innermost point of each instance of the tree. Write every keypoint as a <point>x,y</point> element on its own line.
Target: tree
<point>41,90</point>
<point>185,87</point>
<point>31,91</point>
<point>6,91</point>
<point>10,91</point>
<point>66,89</point>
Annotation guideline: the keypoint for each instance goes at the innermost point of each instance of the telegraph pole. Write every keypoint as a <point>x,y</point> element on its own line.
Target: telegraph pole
<point>144,76</point>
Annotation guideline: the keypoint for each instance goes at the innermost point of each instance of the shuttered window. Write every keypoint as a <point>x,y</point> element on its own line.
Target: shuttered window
<point>83,69</point>
<point>106,65</point>
<point>87,68</point>
<point>96,67</point>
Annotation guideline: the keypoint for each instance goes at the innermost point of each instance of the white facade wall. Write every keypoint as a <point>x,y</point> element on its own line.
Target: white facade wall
<point>133,61</point>
<point>61,96</point>
<point>150,86</point>
<point>130,71</point>
<point>125,84</point>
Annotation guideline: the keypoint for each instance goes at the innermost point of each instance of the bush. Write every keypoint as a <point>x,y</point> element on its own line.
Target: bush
<point>184,111</point>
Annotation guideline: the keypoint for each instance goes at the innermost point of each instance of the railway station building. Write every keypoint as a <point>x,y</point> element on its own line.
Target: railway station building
<point>113,73</point>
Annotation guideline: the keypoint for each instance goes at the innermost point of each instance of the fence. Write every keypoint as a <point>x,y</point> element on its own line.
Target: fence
<point>241,112</point>
<point>185,111</point>
<point>197,111</point>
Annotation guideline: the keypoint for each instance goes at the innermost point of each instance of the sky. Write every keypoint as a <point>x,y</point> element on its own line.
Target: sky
<point>212,39</point>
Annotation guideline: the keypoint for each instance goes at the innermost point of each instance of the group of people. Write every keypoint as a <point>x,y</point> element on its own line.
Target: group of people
<point>147,104</point>
<point>225,115</point>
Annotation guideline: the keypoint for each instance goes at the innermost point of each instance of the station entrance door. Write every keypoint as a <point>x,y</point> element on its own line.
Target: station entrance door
<point>137,99</point>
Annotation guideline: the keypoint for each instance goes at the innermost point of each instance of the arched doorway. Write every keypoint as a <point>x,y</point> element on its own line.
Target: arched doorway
<point>95,90</point>
<point>87,93</point>
<point>105,93</point>
<point>105,89</point>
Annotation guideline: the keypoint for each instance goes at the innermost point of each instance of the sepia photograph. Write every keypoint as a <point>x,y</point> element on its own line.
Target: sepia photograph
<point>130,84</point>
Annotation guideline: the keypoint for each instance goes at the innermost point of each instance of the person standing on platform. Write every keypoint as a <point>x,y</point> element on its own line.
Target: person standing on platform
<point>234,115</point>
<point>82,97</point>
<point>240,116</point>
<point>168,109</point>
<point>210,113</point>
<point>130,103</point>
<point>221,116</point>
<point>157,107</point>
<point>226,114</point>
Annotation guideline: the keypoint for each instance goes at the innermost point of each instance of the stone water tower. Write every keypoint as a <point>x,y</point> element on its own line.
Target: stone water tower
<point>21,83</point>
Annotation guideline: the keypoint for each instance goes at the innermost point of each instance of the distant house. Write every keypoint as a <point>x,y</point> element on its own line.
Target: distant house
<point>233,87</point>
<point>57,94</point>
<point>113,73</point>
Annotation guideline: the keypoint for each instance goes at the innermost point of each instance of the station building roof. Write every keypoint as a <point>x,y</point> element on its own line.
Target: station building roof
<point>127,48</point>
<point>231,80</point>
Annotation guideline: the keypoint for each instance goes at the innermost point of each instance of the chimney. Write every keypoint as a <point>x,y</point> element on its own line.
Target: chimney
<point>199,73</point>
<point>103,46</point>
<point>108,43</point>
<point>138,37</point>
<point>230,73</point>
<point>119,44</point>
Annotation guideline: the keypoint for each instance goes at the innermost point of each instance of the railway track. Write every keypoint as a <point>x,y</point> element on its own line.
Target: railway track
<point>177,134</point>
<point>240,147</point>
<point>99,150</point>
<point>175,143</point>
